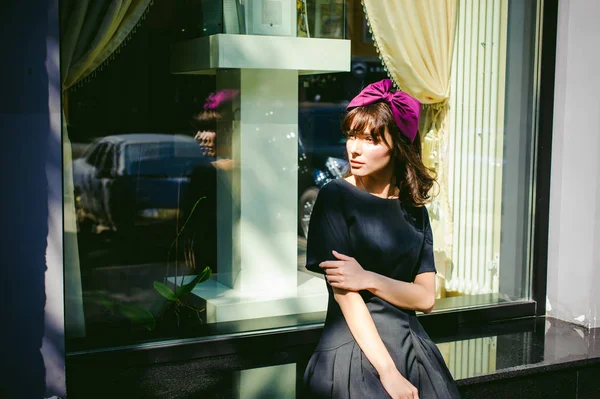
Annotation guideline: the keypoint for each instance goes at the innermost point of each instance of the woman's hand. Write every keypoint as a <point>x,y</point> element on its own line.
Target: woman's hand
<point>397,386</point>
<point>345,273</point>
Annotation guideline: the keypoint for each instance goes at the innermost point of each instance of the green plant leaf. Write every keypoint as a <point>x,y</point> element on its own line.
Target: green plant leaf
<point>137,314</point>
<point>165,291</point>
<point>107,303</point>
<point>187,288</point>
<point>206,273</point>
<point>184,226</point>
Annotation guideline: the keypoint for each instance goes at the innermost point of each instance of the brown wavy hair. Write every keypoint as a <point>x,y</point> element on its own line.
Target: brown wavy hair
<point>413,179</point>
<point>206,120</point>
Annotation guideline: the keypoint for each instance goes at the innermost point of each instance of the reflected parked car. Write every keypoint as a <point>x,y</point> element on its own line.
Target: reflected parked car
<point>321,155</point>
<point>123,182</point>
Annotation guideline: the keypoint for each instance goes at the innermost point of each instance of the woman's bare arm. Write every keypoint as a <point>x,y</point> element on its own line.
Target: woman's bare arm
<point>347,274</point>
<point>419,295</point>
<point>363,329</point>
<point>366,335</point>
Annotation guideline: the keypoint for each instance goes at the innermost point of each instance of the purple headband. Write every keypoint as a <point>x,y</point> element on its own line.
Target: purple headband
<point>214,100</point>
<point>406,109</point>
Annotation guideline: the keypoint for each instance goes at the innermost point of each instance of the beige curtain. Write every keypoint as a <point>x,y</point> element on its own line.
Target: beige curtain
<point>92,30</point>
<point>415,41</point>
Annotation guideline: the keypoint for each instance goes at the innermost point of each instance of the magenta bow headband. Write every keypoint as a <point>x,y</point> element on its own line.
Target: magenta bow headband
<point>406,109</point>
<point>214,100</point>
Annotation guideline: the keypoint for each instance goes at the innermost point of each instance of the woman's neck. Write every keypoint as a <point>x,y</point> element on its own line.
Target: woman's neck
<point>382,185</point>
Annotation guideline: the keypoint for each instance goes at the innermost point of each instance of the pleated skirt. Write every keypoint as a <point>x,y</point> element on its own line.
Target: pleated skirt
<point>344,371</point>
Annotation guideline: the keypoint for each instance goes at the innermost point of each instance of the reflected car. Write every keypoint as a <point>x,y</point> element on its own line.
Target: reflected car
<point>321,155</point>
<point>129,181</point>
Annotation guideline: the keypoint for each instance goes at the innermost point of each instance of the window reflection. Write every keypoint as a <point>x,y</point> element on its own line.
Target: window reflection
<point>148,150</point>
<point>132,181</point>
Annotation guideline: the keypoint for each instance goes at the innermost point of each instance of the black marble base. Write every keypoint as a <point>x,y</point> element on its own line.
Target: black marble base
<point>574,381</point>
<point>529,358</point>
<point>554,360</point>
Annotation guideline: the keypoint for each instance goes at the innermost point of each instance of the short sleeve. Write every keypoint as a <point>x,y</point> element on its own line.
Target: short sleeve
<point>328,228</point>
<point>426,259</point>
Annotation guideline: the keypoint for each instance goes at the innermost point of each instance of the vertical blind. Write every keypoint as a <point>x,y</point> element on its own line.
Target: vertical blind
<point>475,142</point>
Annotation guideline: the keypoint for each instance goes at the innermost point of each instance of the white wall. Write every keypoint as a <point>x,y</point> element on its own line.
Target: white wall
<point>574,220</point>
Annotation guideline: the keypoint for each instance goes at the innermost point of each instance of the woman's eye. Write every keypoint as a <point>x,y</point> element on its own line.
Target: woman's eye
<point>369,139</point>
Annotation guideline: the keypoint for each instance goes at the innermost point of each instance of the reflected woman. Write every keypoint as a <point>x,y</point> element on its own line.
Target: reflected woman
<point>200,197</point>
<point>370,235</point>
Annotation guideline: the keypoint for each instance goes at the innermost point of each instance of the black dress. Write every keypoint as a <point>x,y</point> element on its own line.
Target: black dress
<point>390,239</point>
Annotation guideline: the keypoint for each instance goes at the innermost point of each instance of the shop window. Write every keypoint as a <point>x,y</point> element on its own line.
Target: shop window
<point>194,183</point>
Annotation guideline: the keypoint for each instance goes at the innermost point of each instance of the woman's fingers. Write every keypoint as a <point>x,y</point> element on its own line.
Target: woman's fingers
<point>414,392</point>
<point>341,256</point>
<point>331,264</point>
<point>333,279</point>
<point>333,273</point>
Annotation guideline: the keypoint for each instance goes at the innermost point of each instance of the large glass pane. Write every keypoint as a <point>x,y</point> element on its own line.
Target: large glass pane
<point>177,170</point>
<point>482,156</point>
<point>299,18</point>
<point>483,214</point>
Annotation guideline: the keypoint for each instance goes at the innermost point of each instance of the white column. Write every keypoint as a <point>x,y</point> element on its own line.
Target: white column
<point>257,203</point>
<point>257,199</point>
<point>257,177</point>
<point>574,220</point>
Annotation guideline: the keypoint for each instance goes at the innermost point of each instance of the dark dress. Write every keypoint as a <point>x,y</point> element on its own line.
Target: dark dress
<point>390,239</point>
<point>200,200</point>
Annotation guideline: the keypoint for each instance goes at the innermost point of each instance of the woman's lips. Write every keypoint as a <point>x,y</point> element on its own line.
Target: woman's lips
<point>356,163</point>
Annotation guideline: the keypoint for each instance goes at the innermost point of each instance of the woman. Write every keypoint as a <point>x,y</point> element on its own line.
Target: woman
<point>200,197</point>
<point>370,235</point>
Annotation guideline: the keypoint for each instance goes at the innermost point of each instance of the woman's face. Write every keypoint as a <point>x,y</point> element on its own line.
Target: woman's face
<point>367,155</point>
<point>206,140</point>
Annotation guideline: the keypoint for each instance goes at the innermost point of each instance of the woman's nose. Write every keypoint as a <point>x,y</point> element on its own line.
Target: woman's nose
<point>355,146</point>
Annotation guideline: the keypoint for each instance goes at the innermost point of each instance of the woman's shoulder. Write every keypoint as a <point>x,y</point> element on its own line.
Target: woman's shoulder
<point>332,188</point>
<point>330,203</point>
<point>420,216</point>
<point>330,192</point>
<point>338,189</point>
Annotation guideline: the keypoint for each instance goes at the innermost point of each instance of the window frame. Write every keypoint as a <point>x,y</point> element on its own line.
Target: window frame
<point>441,322</point>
